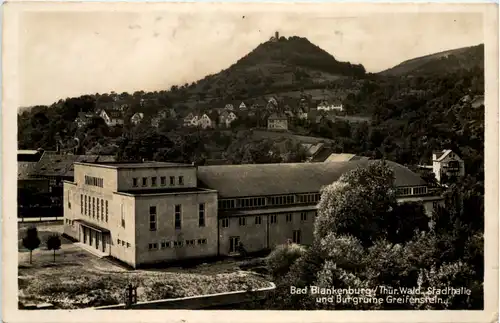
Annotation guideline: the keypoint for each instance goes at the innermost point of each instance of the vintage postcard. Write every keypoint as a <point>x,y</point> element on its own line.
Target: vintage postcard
<point>257,162</point>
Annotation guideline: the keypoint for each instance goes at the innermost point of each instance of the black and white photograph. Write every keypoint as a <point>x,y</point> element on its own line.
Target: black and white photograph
<point>251,157</point>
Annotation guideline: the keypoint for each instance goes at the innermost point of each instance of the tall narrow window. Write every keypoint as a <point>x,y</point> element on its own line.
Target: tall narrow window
<point>163,181</point>
<point>201,215</point>
<point>93,207</point>
<point>81,204</point>
<point>134,182</point>
<point>289,217</point>
<point>152,218</point>
<point>303,216</point>
<point>296,236</point>
<point>107,211</point>
<point>181,180</point>
<point>273,218</point>
<point>85,209</point>
<point>153,181</point>
<point>225,223</point>
<point>102,209</point>
<point>144,181</point>
<point>172,180</point>
<point>258,219</point>
<point>98,209</point>
<point>178,215</point>
<point>123,217</point>
<point>242,221</point>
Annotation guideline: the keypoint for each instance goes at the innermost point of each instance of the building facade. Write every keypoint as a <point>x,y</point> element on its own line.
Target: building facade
<point>277,122</point>
<point>146,213</point>
<point>447,164</point>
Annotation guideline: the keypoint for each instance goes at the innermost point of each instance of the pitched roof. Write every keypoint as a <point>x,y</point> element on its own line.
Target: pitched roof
<point>274,179</point>
<point>275,116</point>
<point>52,164</point>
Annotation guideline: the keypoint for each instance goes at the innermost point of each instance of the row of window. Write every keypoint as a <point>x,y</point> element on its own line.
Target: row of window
<point>176,244</point>
<point>405,191</point>
<point>94,207</point>
<point>69,222</point>
<point>273,219</point>
<point>226,204</point>
<point>94,181</point>
<point>153,218</point>
<point>154,181</point>
<point>123,243</point>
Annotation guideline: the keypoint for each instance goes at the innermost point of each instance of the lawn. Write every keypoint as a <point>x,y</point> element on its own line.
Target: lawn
<point>79,279</point>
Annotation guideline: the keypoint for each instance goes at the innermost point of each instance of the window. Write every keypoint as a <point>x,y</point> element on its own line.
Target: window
<point>144,181</point>
<point>152,218</point>
<point>93,207</point>
<point>289,217</point>
<point>153,246</point>
<point>134,182</point>
<point>107,211</point>
<point>69,201</point>
<point>202,241</point>
<point>81,203</point>
<point>165,244</point>
<point>178,220</point>
<point>258,219</point>
<point>123,218</point>
<point>242,221</point>
<point>201,215</point>
<point>404,191</point>
<point>225,223</point>
<point>181,180</point>
<point>273,218</point>
<point>303,216</point>
<point>234,243</point>
<point>190,242</point>
<point>118,241</point>
<point>98,215</point>
<point>94,181</point>
<point>128,245</point>
<point>177,244</point>
<point>85,205</point>
<point>172,180</point>
<point>153,181</point>
<point>163,181</point>
<point>296,236</point>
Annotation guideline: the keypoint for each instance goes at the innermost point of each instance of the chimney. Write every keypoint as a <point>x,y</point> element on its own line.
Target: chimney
<point>277,35</point>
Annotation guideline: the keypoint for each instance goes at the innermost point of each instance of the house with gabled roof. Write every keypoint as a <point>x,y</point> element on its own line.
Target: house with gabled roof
<point>277,122</point>
<point>243,106</point>
<point>137,118</point>
<point>447,164</point>
<point>112,117</point>
<point>83,119</point>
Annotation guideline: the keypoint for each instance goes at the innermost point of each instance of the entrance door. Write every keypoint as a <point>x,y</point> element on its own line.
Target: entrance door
<point>97,238</point>
<point>233,244</point>
<point>104,241</point>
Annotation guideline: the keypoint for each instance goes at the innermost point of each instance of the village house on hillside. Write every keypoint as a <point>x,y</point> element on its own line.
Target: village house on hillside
<point>229,107</point>
<point>226,118</point>
<point>203,121</point>
<point>84,119</point>
<point>447,164</point>
<point>277,122</point>
<point>243,106</point>
<point>325,106</point>
<point>112,117</point>
<point>137,118</point>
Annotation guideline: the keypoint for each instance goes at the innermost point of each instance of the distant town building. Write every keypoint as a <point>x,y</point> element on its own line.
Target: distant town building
<point>226,118</point>
<point>325,106</point>
<point>84,119</point>
<point>204,121</point>
<point>137,118</point>
<point>243,106</point>
<point>447,164</point>
<point>277,122</point>
<point>112,117</point>
<point>151,212</point>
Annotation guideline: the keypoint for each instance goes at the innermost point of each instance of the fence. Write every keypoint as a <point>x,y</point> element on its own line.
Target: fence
<point>200,302</point>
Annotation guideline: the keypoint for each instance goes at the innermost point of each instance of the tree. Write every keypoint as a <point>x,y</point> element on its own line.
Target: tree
<point>31,240</point>
<point>54,243</point>
<point>282,258</point>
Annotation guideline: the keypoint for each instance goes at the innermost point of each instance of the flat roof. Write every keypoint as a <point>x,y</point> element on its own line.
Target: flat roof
<point>269,210</point>
<point>154,191</point>
<point>118,165</point>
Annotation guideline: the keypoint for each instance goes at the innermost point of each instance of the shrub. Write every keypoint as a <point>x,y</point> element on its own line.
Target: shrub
<point>282,258</point>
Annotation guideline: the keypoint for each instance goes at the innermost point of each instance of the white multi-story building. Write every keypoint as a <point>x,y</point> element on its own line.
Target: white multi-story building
<point>144,213</point>
<point>447,164</point>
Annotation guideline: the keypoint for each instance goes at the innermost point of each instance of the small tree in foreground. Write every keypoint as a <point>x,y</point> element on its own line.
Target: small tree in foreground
<point>54,243</point>
<point>31,240</point>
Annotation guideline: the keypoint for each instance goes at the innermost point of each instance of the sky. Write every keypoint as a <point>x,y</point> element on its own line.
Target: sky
<point>64,54</point>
